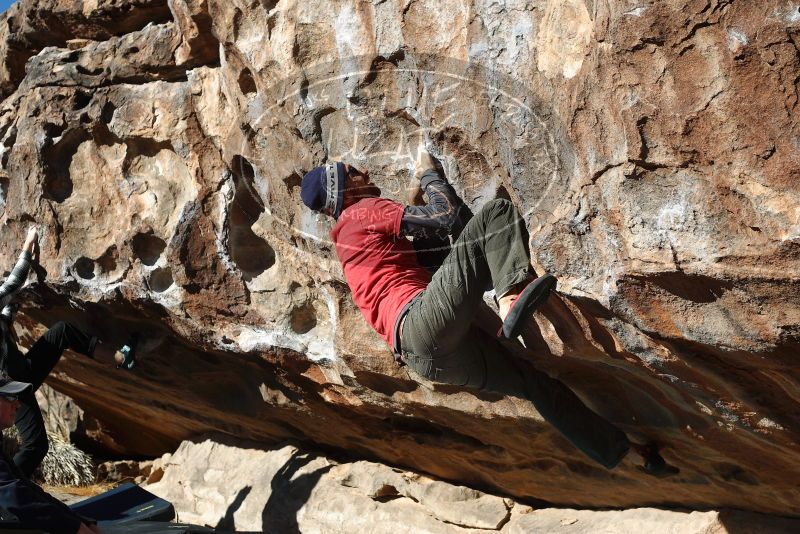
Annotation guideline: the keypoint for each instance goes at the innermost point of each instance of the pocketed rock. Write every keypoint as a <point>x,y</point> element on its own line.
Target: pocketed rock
<point>124,471</point>
<point>651,146</point>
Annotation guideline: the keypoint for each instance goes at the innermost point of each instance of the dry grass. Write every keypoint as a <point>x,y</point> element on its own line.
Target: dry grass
<point>65,464</point>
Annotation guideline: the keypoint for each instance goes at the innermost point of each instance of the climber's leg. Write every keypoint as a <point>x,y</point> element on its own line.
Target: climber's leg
<point>491,250</point>
<point>506,374</point>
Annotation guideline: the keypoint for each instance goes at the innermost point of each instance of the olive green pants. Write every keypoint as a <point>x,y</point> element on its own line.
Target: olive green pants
<point>439,343</point>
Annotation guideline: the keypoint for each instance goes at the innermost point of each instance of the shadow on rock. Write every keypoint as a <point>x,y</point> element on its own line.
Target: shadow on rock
<point>740,522</point>
<point>227,521</point>
<point>289,494</point>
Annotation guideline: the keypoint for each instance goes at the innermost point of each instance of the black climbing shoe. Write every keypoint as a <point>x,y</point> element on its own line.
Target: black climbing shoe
<point>533,296</point>
<point>129,351</point>
<point>654,463</point>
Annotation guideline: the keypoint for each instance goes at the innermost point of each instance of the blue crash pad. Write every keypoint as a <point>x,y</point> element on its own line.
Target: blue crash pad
<point>126,503</point>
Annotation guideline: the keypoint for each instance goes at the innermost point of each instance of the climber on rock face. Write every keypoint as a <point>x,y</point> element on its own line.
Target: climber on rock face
<point>426,319</point>
<point>20,498</point>
<point>40,359</point>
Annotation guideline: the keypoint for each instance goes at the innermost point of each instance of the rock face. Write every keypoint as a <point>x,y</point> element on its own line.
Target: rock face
<point>288,489</point>
<point>653,147</point>
<point>291,490</point>
<point>62,416</point>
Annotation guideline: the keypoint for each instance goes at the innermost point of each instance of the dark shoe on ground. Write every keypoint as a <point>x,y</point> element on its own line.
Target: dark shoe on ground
<point>129,351</point>
<point>533,296</point>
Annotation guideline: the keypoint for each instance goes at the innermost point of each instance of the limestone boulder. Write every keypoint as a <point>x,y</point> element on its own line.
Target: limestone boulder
<point>288,489</point>
<point>61,415</point>
<point>31,26</point>
<point>651,146</point>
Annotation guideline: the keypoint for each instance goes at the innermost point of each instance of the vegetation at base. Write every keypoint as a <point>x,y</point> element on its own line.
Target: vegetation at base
<point>64,465</point>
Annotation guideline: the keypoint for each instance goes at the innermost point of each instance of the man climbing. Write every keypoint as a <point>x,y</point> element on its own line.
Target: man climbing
<point>20,499</point>
<point>426,320</point>
<point>40,359</point>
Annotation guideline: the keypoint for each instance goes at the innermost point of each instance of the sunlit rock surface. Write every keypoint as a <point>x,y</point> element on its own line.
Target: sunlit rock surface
<point>653,147</point>
<point>288,489</point>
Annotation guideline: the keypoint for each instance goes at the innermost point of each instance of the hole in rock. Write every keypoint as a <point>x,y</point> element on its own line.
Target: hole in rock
<point>84,268</point>
<point>88,72</point>
<point>144,146</point>
<point>386,493</point>
<point>3,193</point>
<point>249,132</point>
<point>85,119</point>
<point>161,279</point>
<point>108,261</point>
<point>57,183</point>
<point>385,384</point>
<point>103,136</point>
<point>8,143</point>
<point>271,23</point>
<point>249,252</point>
<point>193,289</point>
<point>132,50</point>
<point>81,100</point>
<point>292,181</point>
<point>318,116</point>
<point>108,112</point>
<point>303,88</point>
<point>72,57</point>
<point>237,23</point>
<point>53,130</point>
<point>502,192</point>
<point>379,65</point>
<point>246,82</point>
<point>148,247</point>
<point>303,318</point>
<point>269,4</point>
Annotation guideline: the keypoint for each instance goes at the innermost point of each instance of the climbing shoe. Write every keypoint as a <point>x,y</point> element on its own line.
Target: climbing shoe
<point>533,296</point>
<point>129,352</point>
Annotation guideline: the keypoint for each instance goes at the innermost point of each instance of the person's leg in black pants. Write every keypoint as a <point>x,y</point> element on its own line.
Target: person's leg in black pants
<point>45,353</point>
<point>33,445</point>
<point>39,361</point>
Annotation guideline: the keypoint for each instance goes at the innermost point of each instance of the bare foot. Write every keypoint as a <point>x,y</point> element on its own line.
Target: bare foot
<point>119,358</point>
<point>506,301</point>
<point>106,353</point>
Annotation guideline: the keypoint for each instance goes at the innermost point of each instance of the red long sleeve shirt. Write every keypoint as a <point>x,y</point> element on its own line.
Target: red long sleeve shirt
<point>379,264</point>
